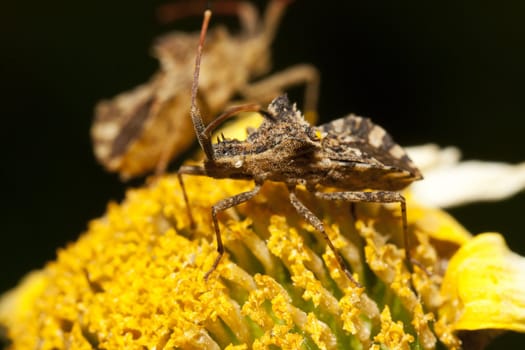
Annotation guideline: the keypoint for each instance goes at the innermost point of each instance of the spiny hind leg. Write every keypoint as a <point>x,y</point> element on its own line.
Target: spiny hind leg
<point>376,197</point>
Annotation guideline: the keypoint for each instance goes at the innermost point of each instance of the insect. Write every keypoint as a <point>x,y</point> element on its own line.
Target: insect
<point>141,130</point>
<point>350,153</point>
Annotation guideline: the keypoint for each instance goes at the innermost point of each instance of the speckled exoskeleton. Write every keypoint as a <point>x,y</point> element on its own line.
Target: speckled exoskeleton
<point>351,153</point>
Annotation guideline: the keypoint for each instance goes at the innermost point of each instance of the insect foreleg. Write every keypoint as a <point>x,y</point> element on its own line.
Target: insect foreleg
<point>376,197</point>
<point>313,220</point>
<point>221,206</point>
<point>191,170</point>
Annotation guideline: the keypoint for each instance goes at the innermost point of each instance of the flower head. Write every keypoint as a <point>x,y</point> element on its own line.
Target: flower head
<point>135,279</point>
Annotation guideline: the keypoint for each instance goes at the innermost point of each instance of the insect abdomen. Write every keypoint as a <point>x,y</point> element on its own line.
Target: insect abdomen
<point>358,177</point>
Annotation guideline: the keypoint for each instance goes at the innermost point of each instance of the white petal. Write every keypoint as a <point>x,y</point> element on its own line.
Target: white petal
<point>448,182</point>
<point>469,181</point>
<point>429,157</point>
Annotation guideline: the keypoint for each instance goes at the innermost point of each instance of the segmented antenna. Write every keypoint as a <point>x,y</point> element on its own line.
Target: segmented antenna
<point>196,117</point>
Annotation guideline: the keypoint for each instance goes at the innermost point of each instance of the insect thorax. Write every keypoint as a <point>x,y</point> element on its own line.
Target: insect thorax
<point>272,149</point>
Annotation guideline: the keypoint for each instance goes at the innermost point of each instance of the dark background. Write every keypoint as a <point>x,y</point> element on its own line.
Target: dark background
<point>452,74</point>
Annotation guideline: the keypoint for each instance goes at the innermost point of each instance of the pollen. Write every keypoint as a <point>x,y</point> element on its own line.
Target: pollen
<point>392,334</point>
<point>135,278</point>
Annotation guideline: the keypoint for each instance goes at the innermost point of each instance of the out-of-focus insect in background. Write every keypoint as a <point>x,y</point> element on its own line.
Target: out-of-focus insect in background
<point>446,73</point>
<point>142,129</point>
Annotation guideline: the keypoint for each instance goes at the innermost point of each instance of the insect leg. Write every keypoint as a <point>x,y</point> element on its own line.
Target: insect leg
<point>190,170</point>
<point>313,220</point>
<point>221,206</point>
<point>186,201</point>
<point>272,17</point>
<point>353,211</point>
<point>377,197</point>
<point>268,88</point>
<point>247,12</point>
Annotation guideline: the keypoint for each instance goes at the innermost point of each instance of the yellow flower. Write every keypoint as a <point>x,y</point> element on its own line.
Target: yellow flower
<point>135,279</point>
<point>485,286</point>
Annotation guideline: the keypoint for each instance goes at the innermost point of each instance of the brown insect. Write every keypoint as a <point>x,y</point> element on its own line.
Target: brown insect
<point>350,153</point>
<point>143,129</point>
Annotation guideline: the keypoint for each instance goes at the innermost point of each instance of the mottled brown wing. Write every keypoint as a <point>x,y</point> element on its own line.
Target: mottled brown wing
<point>118,122</point>
<point>357,139</point>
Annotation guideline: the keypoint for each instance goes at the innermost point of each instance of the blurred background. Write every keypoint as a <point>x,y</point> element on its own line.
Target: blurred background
<point>452,74</point>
